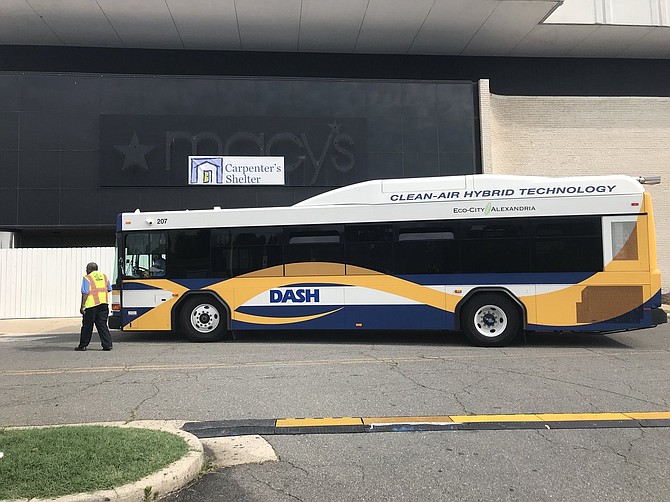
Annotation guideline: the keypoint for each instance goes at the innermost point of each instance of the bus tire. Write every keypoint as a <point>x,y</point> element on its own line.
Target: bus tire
<point>491,320</point>
<point>203,319</point>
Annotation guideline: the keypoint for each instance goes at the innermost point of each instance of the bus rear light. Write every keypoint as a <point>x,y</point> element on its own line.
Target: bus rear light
<point>116,307</point>
<point>635,204</point>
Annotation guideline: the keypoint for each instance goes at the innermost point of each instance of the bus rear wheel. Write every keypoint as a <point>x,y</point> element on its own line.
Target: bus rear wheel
<point>203,319</point>
<point>491,320</point>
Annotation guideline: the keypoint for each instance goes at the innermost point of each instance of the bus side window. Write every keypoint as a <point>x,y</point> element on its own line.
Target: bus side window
<point>370,246</point>
<point>492,246</point>
<point>189,253</point>
<point>239,251</point>
<point>567,244</point>
<point>320,244</point>
<point>426,250</point>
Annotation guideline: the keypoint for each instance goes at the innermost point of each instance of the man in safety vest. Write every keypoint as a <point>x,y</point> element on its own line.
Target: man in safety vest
<point>95,288</point>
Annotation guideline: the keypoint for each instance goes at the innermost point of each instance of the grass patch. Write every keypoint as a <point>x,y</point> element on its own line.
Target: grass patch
<point>57,461</point>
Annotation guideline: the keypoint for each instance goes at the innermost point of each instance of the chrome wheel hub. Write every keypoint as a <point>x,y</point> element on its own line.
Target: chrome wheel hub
<point>205,318</point>
<point>490,321</point>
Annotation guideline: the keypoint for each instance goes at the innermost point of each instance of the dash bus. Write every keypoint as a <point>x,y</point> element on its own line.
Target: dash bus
<point>486,254</point>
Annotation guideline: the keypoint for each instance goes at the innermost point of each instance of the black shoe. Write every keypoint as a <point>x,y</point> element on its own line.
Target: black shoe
<point>80,349</point>
<point>106,349</point>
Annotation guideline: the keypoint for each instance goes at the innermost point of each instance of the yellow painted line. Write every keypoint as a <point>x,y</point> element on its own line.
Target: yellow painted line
<point>318,422</point>
<point>214,366</point>
<point>434,419</point>
<point>495,418</point>
<point>521,417</point>
<point>299,363</point>
<point>573,417</point>
<point>649,415</point>
<point>217,366</point>
<point>446,419</point>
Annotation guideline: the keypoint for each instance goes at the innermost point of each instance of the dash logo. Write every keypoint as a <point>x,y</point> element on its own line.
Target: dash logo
<point>301,295</point>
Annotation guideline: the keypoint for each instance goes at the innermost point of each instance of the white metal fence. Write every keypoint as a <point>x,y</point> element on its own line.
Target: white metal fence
<point>46,282</point>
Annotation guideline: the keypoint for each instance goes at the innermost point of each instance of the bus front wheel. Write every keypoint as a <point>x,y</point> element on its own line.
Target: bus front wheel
<point>491,320</point>
<point>203,319</point>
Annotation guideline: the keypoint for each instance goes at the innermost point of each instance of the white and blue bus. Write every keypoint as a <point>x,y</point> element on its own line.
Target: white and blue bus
<point>489,255</point>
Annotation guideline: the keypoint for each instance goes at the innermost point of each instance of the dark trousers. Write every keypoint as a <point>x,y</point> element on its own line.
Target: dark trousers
<point>95,315</point>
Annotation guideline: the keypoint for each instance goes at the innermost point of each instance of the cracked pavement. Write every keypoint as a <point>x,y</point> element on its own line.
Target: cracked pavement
<point>286,375</point>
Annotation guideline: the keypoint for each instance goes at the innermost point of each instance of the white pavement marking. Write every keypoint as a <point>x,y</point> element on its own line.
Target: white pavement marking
<point>23,338</point>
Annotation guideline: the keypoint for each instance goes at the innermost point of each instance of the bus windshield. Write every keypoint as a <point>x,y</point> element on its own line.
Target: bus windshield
<point>145,255</point>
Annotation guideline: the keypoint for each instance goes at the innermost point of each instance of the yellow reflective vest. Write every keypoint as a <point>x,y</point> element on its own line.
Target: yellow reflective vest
<point>97,292</point>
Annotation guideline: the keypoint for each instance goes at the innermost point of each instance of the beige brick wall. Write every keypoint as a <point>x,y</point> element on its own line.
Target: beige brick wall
<point>573,136</point>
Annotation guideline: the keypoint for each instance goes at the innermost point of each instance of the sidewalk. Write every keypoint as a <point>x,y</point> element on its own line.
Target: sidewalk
<point>17,327</point>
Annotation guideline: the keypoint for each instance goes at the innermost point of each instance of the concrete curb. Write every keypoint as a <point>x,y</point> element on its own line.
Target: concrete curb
<point>163,482</point>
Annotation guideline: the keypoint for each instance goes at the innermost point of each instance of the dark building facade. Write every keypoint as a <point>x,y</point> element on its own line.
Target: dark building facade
<point>88,133</point>
<point>77,149</point>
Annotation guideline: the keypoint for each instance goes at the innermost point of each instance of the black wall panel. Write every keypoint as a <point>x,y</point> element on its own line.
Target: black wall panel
<point>39,169</point>
<point>424,164</point>
<point>385,165</point>
<point>83,209</point>
<point>238,197</point>
<point>8,206</point>
<point>9,169</point>
<point>508,75</point>
<point>39,130</point>
<point>9,131</point>
<point>455,162</point>
<point>40,206</point>
<point>65,140</point>
<point>80,130</point>
<point>419,135</point>
<point>206,198</point>
<point>79,169</point>
<point>111,199</point>
<point>160,199</point>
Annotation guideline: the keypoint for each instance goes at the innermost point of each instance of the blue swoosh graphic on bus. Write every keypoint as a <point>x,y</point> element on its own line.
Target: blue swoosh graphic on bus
<point>271,311</point>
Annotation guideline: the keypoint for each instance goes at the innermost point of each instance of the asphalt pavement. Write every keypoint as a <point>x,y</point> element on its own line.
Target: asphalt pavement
<point>281,377</point>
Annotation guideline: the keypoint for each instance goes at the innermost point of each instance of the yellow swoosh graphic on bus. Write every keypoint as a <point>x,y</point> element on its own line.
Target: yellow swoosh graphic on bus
<point>158,318</point>
<point>240,290</point>
<point>255,319</point>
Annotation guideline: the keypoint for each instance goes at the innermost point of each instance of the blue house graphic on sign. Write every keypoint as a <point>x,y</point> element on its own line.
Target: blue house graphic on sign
<point>206,171</point>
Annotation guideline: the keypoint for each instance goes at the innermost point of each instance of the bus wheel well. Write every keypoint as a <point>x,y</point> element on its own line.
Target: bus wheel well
<point>497,290</point>
<point>205,296</point>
